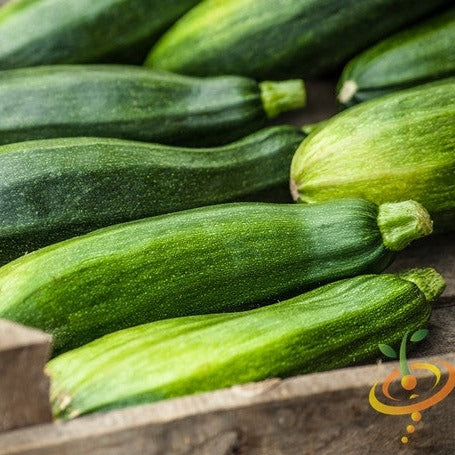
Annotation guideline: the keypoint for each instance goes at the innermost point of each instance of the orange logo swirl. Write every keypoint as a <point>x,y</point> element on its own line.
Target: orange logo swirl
<point>417,405</point>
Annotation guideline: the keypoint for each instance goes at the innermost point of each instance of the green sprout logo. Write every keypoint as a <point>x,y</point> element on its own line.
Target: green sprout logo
<point>408,380</point>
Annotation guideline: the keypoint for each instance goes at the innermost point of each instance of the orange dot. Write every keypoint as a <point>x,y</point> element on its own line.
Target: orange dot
<point>409,382</point>
<point>416,416</point>
<point>404,440</point>
<point>410,428</point>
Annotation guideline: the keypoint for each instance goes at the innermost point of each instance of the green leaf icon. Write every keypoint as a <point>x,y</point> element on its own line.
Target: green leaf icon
<point>388,350</point>
<point>419,335</point>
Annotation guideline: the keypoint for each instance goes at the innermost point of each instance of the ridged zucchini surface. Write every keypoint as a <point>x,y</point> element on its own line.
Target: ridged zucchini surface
<point>216,258</point>
<point>392,148</point>
<point>420,54</point>
<point>54,189</point>
<point>335,325</point>
<point>41,32</point>
<point>270,38</point>
<point>129,102</point>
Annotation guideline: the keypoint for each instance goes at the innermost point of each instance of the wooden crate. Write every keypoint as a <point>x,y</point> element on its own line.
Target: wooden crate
<point>325,413</point>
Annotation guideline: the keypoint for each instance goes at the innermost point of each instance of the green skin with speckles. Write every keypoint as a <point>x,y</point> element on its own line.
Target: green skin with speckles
<point>54,189</point>
<point>417,55</point>
<point>397,147</point>
<point>279,38</point>
<point>211,259</point>
<point>333,326</point>
<point>129,102</point>
<point>41,32</point>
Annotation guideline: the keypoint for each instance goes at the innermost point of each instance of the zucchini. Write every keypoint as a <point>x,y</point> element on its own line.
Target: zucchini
<point>400,146</point>
<point>54,189</point>
<point>263,39</point>
<point>40,32</point>
<point>414,56</point>
<point>136,103</point>
<point>333,326</point>
<point>216,258</point>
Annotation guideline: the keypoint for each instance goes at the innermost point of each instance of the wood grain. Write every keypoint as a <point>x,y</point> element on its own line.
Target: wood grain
<point>24,388</point>
<point>325,413</point>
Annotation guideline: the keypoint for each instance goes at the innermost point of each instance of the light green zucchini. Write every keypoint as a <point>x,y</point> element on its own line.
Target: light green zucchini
<point>269,39</point>
<point>400,146</point>
<point>336,325</point>
<point>217,258</point>
<point>54,189</point>
<point>420,54</point>
<point>40,32</point>
<point>136,103</point>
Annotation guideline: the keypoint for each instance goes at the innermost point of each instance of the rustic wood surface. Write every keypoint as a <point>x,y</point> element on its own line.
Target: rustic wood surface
<point>24,389</point>
<point>325,413</point>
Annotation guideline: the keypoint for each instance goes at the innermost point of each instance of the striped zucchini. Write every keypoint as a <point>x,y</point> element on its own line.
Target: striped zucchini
<point>396,147</point>
<point>333,326</point>
<point>136,103</point>
<point>216,258</point>
<point>266,38</point>
<point>40,32</point>
<point>414,56</point>
<point>54,189</point>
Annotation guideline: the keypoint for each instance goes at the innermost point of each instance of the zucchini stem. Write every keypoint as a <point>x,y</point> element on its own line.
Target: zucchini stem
<point>432,285</point>
<point>402,222</point>
<point>347,92</point>
<point>278,97</point>
<point>430,282</point>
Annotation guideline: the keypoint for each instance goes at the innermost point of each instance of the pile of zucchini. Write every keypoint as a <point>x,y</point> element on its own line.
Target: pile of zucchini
<point>142,219</point>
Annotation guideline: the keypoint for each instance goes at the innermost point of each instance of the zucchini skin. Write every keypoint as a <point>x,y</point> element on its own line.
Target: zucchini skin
<point>82,31</point>
<point>258,38</point>
<point>55,189</point>
<point>400,146</point>
<point>333,326</point>
<point>205,260</point>
<point>420,54</point>
<point>127,102</point>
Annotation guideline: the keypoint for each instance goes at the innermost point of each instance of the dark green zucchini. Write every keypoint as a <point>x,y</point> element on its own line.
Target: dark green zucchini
<point>396,147</point>
<point>54,189</point>
<point>333,326</point>
<point>40,32</point>
<point>216,258</point>
<point>130,102</point>
<point>263,38</point>
<point>414,56</point>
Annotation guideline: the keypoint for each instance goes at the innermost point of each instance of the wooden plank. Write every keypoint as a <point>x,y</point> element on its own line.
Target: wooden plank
<point>24,388</point>
<point>326,413</point>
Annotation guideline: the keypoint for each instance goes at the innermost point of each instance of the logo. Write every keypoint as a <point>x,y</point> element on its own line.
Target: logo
<point>401,392</point>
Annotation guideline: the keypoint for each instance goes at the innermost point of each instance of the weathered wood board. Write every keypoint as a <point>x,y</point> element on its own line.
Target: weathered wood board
<point>24,394</point>
<point>325,413</point>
